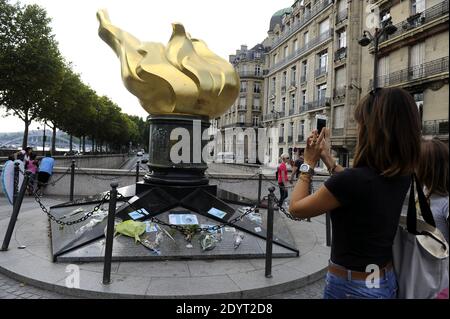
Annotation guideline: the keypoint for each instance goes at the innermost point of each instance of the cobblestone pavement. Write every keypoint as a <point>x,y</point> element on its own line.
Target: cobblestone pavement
<point>13,289</point>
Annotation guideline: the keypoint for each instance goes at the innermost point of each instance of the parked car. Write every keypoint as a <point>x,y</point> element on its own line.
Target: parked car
<point>225,157</point>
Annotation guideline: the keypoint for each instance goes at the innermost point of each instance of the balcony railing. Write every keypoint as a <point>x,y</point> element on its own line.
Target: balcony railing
<point>256,108</point>
<point>303,79</point>
<point>437,127</point>
<point>281,139</point>
<point>273,116</point>
<point>339,92</point>
<point>283,88</point>
<point>317,104</point>
<point>341,16</point>
<point>243,90</point>
<point>321,71</point>
<point>340,54</point>
<point>293,83</point>
<point>244,74</point>
<point>316,9</point>
<point>291,111</point>
<point>418,72</point>
<point>290,139</point>
<point>337,132</point>
<point>300,138</point>
<point>242,108</point>
<point>419,19</point>
<point>311,44</point>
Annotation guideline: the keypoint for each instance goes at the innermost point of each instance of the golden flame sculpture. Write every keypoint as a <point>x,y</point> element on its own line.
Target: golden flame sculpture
<point>183,78</point>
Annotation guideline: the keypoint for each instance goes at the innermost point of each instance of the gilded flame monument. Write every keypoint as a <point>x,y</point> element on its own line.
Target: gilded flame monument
<point>181,86</point>
<point>178,85</point>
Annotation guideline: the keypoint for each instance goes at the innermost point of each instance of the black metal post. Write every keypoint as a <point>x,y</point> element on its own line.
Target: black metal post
<point>269,237</point>
<point>259,191</point>
<point>16,182</point>
<point>72,179</point>
<point>328,228</point>
<point>15,213</point>
<point>137,171</point>
<point>110,234</point>
<point>375,59</point>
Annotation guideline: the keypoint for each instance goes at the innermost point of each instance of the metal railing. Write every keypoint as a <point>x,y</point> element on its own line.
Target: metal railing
<point>291,111</point>
<point>281,139</point>
<point>321,71</point>
<point>339,92</point>
<point>436,127</point>
<point>337,132</point>
<point>419,19</point>
<point>418,72</point>
<point>256,108</point>
<point>311,44</point>
<point>293,83</point>
<point>300,138</point>
<point>341,16</point>
<point>303,79</point>
<point>290,139</point>
<point>243,74</point>
<point>323,102</point>
<point>315,10</point>
<point>242,108</point>
<point>340,54</point>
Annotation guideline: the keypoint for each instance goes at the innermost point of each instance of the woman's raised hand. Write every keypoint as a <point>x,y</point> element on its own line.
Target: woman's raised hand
<point>314,147</point>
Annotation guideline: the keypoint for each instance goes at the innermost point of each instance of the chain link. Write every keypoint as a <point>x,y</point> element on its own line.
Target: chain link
<point>184,230</point>
<point>81,219</point>
<point>224,180</point>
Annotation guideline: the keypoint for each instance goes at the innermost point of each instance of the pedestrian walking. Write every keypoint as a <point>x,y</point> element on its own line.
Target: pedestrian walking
<point>282,175</point>
<point>32,166</point>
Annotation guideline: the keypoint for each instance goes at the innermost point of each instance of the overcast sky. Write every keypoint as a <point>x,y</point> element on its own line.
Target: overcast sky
<point>224,25</point>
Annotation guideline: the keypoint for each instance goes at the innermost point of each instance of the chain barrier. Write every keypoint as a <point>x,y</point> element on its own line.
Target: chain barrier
<point>103,178</point>
<point>51,183</point>
<point>81,219</point>
<point>225,180</point>
<point>276,184</point>
<point>286,213</point>
<point>184,230</point>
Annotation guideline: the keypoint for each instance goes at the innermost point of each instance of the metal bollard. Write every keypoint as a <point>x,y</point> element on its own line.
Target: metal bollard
<point>16,182</point>
<point>110,234</point>
<point>269,236</point>
<point>15,213</point>
<point>259,191</point>
<point>328,228</point>
<point>137,171</point>
<point>72,179</point>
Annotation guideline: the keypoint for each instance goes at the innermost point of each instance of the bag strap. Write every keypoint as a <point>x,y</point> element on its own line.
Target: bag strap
<point>411,218</point>
<point>424,206</point>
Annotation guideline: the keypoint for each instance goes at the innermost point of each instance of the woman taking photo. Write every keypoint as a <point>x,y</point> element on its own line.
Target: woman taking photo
<point>364,201</point>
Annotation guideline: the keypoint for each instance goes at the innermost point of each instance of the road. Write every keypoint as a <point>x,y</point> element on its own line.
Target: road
<point>131,162</point>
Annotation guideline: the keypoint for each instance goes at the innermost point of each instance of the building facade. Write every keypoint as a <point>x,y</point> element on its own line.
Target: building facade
<point>311,72</point>
<point>415,57</point>
<point>246,111</point>
<point>311,76</point>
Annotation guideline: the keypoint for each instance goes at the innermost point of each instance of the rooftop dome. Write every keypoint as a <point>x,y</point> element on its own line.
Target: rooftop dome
<point>276,17</point>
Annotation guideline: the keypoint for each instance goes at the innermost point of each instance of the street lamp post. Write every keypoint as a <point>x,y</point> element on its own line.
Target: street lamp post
<point>387,29</point>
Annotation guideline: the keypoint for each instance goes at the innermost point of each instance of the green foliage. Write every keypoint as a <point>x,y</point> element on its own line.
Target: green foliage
<point>37,84</point>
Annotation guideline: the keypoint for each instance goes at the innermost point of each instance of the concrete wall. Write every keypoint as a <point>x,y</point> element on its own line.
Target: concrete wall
<point>94,181</point>
<point>88,161</point>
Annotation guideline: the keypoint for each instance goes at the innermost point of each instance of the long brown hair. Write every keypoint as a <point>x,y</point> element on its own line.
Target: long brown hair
<point>433,166</point>
<point>388,132</point>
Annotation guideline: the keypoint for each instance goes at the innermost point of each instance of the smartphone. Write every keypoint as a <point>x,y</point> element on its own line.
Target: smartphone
<point>321,123</point>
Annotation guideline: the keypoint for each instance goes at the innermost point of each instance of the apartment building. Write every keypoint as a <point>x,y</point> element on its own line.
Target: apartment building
<point>415,57</point>
<point>312,75</point>
<point>247,109</point>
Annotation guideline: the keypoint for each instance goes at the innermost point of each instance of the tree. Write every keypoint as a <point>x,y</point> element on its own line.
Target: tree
<point>31,67</point>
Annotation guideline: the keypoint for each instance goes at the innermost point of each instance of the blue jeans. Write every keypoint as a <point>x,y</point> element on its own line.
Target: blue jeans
<point>342,288</point>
